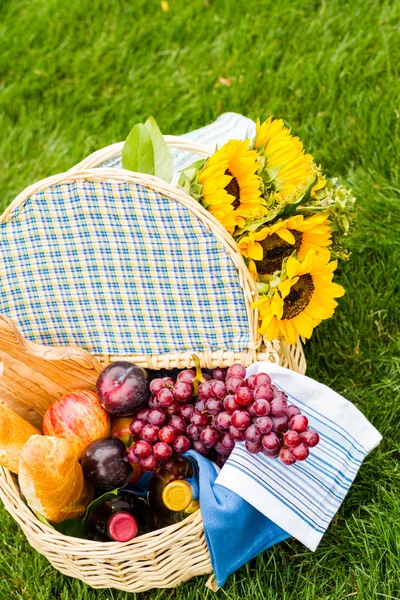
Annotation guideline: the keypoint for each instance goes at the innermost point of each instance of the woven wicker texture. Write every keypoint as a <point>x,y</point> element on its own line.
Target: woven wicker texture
<point>169,556</point>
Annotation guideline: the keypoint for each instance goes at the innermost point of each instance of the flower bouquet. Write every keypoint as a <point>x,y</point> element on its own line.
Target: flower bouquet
<point>288,220</point>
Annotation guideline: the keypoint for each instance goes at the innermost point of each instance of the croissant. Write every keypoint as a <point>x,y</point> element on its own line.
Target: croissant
<point>14,432</point>
<point>51,478</point>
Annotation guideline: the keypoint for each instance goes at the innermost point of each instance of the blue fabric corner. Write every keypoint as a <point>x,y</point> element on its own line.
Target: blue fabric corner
<point>235,531</point>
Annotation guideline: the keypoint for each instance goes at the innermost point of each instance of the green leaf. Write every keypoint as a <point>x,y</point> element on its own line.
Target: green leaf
<point>72,527</point>
<point>137,153</point>
<point>163,163</point>
<point>41,518</point>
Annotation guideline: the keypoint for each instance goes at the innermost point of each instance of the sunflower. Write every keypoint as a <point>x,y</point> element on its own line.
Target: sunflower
<point>230,186</point>
<point>288,170</point>
<point>269,246</point>
<point>301,300</point>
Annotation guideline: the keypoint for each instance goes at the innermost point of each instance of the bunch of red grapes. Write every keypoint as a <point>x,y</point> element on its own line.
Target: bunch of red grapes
<point>227,409</point>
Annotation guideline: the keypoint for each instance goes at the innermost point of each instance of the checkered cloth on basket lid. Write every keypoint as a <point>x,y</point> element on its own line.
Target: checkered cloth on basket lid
<point>118,269</point>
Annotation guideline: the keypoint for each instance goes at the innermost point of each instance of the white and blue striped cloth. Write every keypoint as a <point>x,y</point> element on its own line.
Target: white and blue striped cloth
<point>304,498</point>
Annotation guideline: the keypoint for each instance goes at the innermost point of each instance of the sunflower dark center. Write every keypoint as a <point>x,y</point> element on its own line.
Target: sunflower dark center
<point>233,189</point>
<point>298,297</point>
<point>275,249</point>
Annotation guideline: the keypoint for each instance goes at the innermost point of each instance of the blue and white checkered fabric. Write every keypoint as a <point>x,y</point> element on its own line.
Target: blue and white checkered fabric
<point>118,269</point>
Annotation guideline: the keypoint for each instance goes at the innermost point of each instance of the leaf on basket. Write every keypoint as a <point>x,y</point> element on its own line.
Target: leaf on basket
<point>41,518</point>
<point>145,151</point>
<point>163,163</point>
<point>137,153</point>
<point>72,527</point>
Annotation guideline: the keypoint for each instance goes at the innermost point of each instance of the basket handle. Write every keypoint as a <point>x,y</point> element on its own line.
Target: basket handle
<point>114,150</point>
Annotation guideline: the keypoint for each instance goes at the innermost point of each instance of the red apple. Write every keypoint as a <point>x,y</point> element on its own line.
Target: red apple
<point>77,417</point>
<point>120,429</point>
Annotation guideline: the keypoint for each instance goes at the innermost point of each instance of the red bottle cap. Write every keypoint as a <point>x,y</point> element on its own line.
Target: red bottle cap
<point>122,527</point>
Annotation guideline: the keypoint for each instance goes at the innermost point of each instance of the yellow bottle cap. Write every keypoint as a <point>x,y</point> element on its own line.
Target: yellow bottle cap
<point>177,495</point>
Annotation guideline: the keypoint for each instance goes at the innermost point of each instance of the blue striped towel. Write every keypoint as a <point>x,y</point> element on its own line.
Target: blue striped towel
<point>303,498</point>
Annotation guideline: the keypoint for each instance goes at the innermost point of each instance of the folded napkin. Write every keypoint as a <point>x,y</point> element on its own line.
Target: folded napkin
<point>303,498</point>
<point>235,531</point>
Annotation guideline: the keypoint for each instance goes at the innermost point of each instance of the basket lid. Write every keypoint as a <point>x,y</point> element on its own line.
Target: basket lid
<point>119,265</point>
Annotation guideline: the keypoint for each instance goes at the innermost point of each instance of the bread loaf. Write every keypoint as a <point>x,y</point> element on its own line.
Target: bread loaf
<point>51,478</point>
<point>14,433</point>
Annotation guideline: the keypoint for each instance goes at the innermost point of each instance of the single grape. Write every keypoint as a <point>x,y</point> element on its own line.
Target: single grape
<point>286,456</point>
<point>219,374</point>
<point>218,389</point>
<point>280,394</point>
<point>252,447</point>
<point>182,391</point>
<point>214,406</point>
<point>291,411</point>
<point>167,434</point>
<point>136,428</point>
<point>270,453</point>
<point>291,438</point>
<point>182,444</point>
<point>131,456</point>
<point>300,452</point>
<point>233,383</point>
<point>142,414</point>
<point>178,423</point>
<point>221,450</point>
<point>253,434</point>
<point>236,434</point>
<point>162,451</point>
<point>199,419</point>
<point>278,407</point>
<point>230,404</point>
<point>165,398</point>
<point>153,403</point>
<point>186,411</point>
<point>279,424</point>
<point>204,391</point>
<point>263,392</point>
<point>169,382</point>
<point>270,441</point>
<point>200,448</point>
<point>149,464</point>
<point>244,396</point>
<point>209,436</point>
<point>193,432</point>
<point>186,376</point>
<point>174,408</point>
<point>261,408</point>
<point>150,433</point>
<point>142,449</point>
<point>310,438</point>
<point>264,424</point>
<point>298,423</point>
<point>156,417</point>
<point>236,370</point>
<point>262,379</point>
<point>241,419</point>
<point>222,420</point>
<point>226,441</point>
<point>156,385</point>
<point>251,382</point>
<point>200,405</point>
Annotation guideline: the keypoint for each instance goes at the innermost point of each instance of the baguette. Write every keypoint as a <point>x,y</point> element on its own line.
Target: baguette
<point>51,479</point>
<point>14,433</point>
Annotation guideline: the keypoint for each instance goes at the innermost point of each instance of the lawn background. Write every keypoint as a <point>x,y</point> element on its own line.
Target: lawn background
<point>76,75</point>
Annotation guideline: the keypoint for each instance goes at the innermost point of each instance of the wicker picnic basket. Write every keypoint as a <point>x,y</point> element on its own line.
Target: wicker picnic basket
<point>33,374</point>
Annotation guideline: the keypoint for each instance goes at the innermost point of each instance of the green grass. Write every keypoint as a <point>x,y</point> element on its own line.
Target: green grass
<point>76,75</point>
